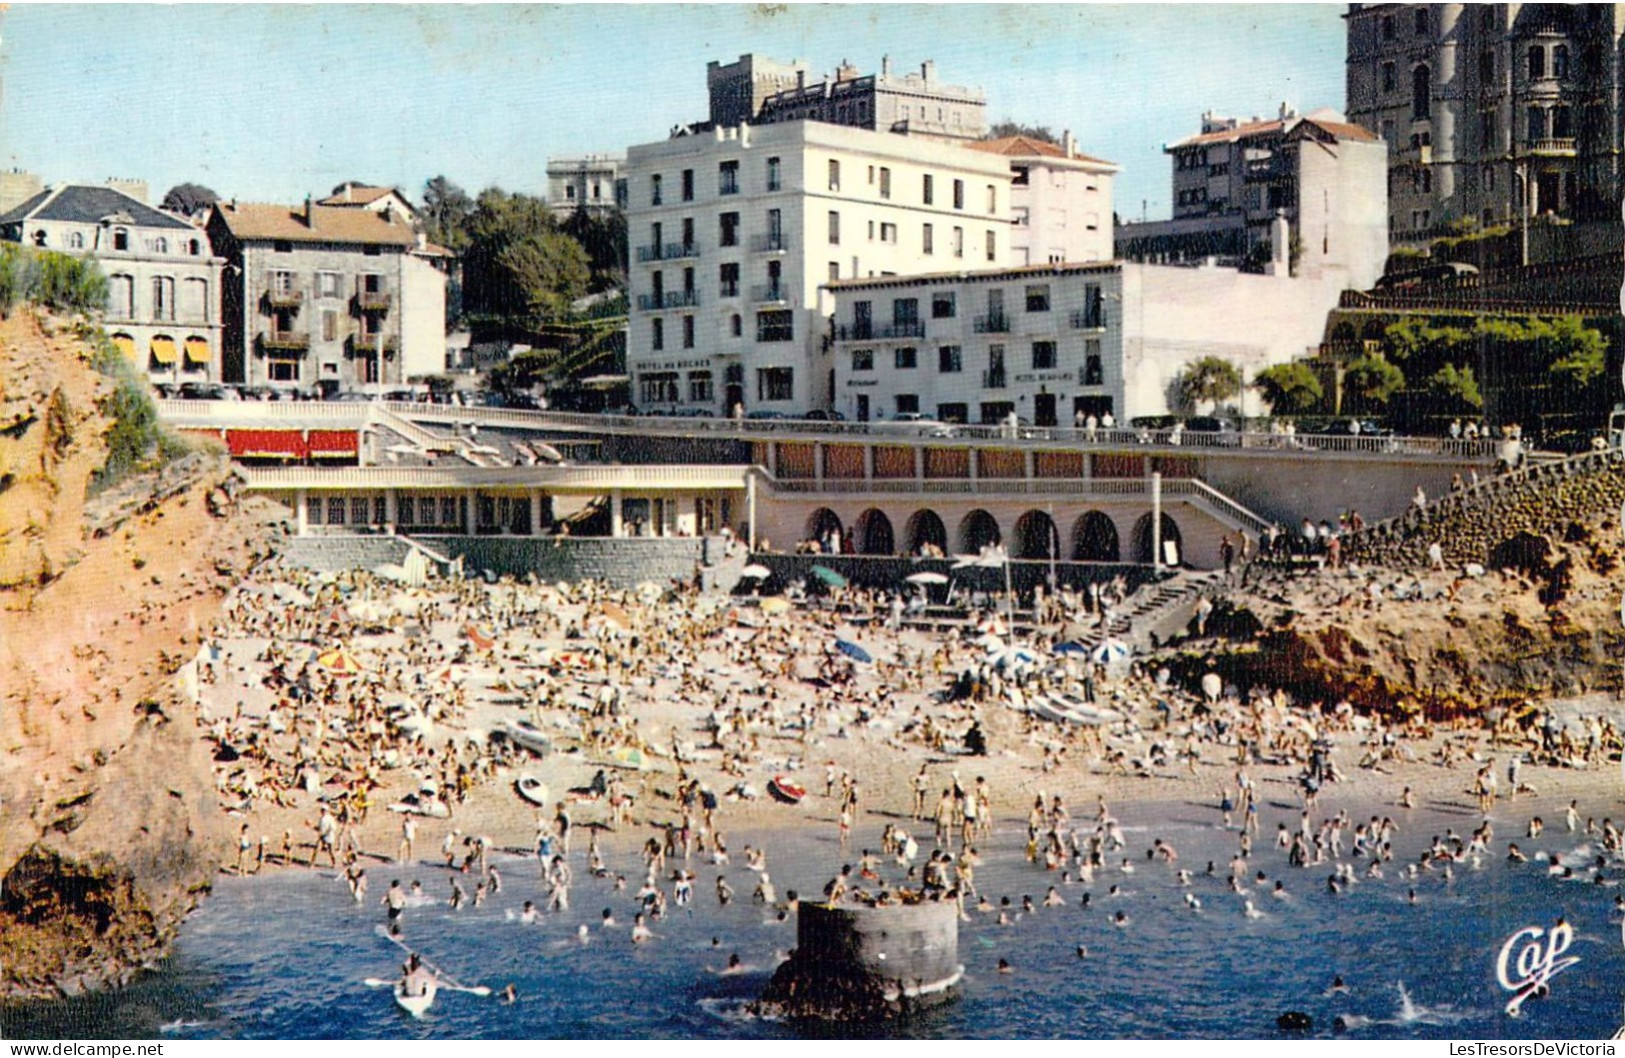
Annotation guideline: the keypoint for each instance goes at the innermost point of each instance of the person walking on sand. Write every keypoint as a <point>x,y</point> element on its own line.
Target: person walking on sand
<point>921,785</point>
<point>409,834</point>
<point>326,829</point>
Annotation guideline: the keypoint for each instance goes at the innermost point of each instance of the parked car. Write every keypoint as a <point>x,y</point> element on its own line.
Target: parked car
<point>694,413</point>
<point>261,393</point>
<point>763,414</point>
<point>207,391</point>
<point>350,397</point>
<point>820,415</point>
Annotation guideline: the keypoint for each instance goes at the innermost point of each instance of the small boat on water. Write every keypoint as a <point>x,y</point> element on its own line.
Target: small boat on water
<point>532,789</point>
<point>781,787</point>
<point>416,1004</point>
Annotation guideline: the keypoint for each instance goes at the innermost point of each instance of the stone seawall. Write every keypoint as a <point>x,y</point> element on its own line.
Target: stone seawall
<point>1469,525</point>
<point>881,571</point>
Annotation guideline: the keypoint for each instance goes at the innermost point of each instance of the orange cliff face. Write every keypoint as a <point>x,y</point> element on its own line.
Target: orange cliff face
<point>107,823</point>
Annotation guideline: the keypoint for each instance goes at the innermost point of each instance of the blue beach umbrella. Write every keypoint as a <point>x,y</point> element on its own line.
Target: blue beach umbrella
<point>853,651</point>
<point>828,576</point>
<point>1070,647</point>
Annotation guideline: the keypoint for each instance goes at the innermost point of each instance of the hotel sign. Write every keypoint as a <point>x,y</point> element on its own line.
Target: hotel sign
<point>1044,376</point>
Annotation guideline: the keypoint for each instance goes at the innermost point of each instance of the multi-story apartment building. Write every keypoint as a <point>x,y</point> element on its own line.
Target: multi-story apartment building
<point>163,282</point>
<point>326,298</point>
<point>1060,198</point>
<point>734,231</point>
<point>591,182</point>
<point>1491,112</point>
<point>762,91</point>
<point>1054,343</point>
<point>1231,180</point>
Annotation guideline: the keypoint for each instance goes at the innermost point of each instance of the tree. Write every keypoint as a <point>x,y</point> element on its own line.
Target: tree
<point>1373,380</point>
<point>604,239</point>
<point>1577,354</point>
<point>1455,387</point>
<point>1209,379</point>
<point>446,212</point>
<point>518,265</point>
<point>188,199</point>
<point>1412,339</point>
<point>1008,127</point>
<point>1289,388</point>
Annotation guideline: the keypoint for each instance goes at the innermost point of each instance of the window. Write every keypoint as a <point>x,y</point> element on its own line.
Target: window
<point>121,297</point>
<point>728,279</point>
<point>834,175</point>
<point>863,359</point>
<point>1421,93</point>
<point>729,235</point>
<point>688,332</point>
<point>1389,79</point>
<point>688,235</point>
<point>942,305</point>
<point>775,383</point>
<point>570,192</point>
<point>654,190</point>
<point>1388,27</point>
<point>1537,62</point>
<point>1560,62</point>
<point>281,368</point>
<point>834,271</point>
<point>699,387</point>
<point>871,176</point>
<point>908,404</point>
<point>76,240</point>
<point>1094,306</point>
<point>1043,356</point>
<point>160,245</point>
<point>773,174</point>
<point>1486,129</point>
<point>959,194</point>
<point>657,339</point>
<point>121,239</point>
<point>885,182</point>
<point>163,297</point>
<point>925,189</point>
<point>926,240</point>
<point>948,360</point>
<point>775,325</point>
<point>834,228</point>
<point>957,411</point>
<point>992,247</point>
<point>1486,67</point>
<point>992,198</point>
<point>1422,27</point>
<point>959,242</point>
<point>1093,375</point>
<point>1535,120</point>
<point>658,387</point>
<point>1562,123</point>
<point>888,232</point>
<point>906,358</point>
<point>194,301</point>
<point>736,325</point>
<point>728,178</point>
<point>688,185</point>
<point>328,284</point>
<point>330,325</point>
<point>1038,298</point>
<point>905,313</point>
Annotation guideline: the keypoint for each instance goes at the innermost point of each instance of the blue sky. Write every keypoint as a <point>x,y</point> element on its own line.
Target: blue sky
<point>268,103</point>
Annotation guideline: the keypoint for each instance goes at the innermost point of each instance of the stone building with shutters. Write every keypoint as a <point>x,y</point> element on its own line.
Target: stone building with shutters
<point>327,299</point>
<point>163,280</point>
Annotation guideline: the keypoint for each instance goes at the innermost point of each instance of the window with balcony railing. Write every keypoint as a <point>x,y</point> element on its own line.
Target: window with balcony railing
<point>728,178</point>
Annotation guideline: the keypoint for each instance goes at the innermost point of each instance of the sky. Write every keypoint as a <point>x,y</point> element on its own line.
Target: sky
<point>273,102</point>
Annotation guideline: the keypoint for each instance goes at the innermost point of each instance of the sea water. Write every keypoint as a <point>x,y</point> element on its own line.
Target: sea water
<point>288,955</point>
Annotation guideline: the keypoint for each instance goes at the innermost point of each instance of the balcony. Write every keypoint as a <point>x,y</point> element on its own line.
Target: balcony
<point>994,378</point>
<point>868,332</point>
<point>671,251</point>
<point>284,341</point>
<point>672,299</point>
<point>1089,320</point>
<point>773,242</point>
<point>372,301</point>
<point>992,324</point>
<point>1553,147</point>
<point>367,345</point>
<point>284,299</point>
<point>770,294</point>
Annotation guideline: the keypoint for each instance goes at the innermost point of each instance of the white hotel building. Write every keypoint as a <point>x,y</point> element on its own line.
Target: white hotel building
<point>734,231</point>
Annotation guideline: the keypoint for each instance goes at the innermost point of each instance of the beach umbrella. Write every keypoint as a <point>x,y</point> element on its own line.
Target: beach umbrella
<point>547,452</point>
<point>828,576</point>
<point>1212,686</point>
<point>650,590</point>
<point>993,627</point>
<point>926,577</point>
<point>483,641</point>
<point>1071,647</point>
<point>339,661</point>
<point>616,616</point>
<point>1014,657</point>
<point>775,605</point>
<point>629,757</point>
<point>853,651</point>
<point>990,642</point>
<point>1110,652</point>
<point>755,571</point>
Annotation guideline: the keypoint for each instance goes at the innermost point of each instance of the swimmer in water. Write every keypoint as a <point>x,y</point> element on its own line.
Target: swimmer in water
<point>1083,951</point>
<point>1279,892</point>
<point>1120,920</point>
<point>608,921</point>
<point>529,915</point>
<point>510,994</point>
<point>640,931</point>
<point>735,965</point>
<point>1004,967</point>
<point>1338,988</point>
<point>1252,912</point>
<point>1053,898</point>
<point>1192,902</point>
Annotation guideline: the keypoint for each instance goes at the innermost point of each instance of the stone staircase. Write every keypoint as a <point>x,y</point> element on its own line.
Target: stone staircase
<point>1157,611</point>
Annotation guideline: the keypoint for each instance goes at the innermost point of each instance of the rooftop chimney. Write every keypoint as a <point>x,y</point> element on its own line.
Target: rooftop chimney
<point>885,65</point>
<point>1068,148</point>
<point>310,216</point>
<point>928,71</point>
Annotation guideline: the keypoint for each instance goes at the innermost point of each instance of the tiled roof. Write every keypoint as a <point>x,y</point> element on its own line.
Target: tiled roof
<point>357,195</point>
<point>1028,147</point>
<point>251,220</point>
<point>86,204</point>
<point>1341,130</point>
